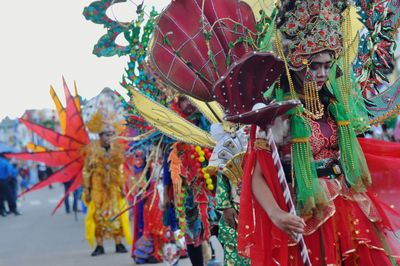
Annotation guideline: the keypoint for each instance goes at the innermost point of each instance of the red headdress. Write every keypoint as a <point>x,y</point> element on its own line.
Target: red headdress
<point>203,58</point>
<point>311,27</point>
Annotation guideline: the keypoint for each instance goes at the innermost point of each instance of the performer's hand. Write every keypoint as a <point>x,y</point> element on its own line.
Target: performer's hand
<point>289,223</point>
<point>230,216</point>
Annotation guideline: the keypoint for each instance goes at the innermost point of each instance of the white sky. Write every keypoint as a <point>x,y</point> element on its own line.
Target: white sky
<point>43,40</point>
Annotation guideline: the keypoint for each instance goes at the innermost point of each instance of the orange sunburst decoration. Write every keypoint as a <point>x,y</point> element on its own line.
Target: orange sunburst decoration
<point>69,143</point>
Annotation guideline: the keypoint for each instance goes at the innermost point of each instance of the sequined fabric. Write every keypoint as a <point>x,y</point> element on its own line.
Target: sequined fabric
<point>103,179</point>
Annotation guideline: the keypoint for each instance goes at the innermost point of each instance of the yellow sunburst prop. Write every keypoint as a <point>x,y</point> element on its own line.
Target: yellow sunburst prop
<point>77,100</point>
<point>62,116</point>
<point>35,148</point>
<point>169,122</point>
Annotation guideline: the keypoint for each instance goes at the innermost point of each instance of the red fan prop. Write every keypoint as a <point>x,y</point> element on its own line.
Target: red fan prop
<point>68,155</point>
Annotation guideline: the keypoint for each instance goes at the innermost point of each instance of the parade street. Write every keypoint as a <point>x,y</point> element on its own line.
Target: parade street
<point>36,238</point>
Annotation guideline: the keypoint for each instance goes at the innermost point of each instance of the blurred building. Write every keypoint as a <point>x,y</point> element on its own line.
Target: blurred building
<point>15,134</point>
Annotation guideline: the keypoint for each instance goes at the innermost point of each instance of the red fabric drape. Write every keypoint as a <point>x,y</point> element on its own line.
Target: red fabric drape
<point>258,238</point>
<point>383,160</point>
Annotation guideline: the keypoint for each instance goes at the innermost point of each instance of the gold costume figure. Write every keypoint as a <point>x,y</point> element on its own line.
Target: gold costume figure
<point>103,181</point>
<point>103,184</point>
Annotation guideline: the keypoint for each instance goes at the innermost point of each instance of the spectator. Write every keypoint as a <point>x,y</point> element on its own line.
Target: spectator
<point>44,172</point>
<point>33,173</point>
<point>75,198</point>
<point>24,174</point>
<point>49,172</point>
<point>8,177</point>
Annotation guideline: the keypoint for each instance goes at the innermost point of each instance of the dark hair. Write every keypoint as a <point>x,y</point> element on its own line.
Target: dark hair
<point>285,81</point>
<point>325,94</point>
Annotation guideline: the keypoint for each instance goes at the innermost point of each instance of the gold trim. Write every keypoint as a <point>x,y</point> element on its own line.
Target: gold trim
<point>299,140</point>
<point>343,123</point>
<point>212,110</point>
<point>262,144</point>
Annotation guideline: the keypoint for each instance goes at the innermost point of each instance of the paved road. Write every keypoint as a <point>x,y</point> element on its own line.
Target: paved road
<point>38,239</point>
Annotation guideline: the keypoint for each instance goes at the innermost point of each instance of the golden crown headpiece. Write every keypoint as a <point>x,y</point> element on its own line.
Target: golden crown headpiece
<point>310,27</point>
<point>103,121</point>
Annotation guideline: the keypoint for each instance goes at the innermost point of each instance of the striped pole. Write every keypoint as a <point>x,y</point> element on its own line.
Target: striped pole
<point>287,195</point>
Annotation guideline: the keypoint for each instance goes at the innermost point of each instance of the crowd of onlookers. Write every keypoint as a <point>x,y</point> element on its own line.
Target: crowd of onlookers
<point>16,178</point>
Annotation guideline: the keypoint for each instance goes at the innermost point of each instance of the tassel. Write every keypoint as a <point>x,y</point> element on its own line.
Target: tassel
<point>313,106</point>
<point>309,194</point>
<point>352,158</point>
<point>175,168</point>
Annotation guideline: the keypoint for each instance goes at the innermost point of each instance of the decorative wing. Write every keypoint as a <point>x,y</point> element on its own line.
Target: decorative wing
<point>376,48</point>
<point>77,181</point>
<point>211,110</point>
<point>386,104</point>
<point>132,116</point>
<point>50,158</point>
<point>394,8</point>
<point>170,123</point>
<point>54,138</point>
<point>244,83</point>
<point>65,174</point>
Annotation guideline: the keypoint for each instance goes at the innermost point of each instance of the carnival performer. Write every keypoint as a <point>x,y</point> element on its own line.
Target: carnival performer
<point>226,164</point>
<point>343,223</point>
<point>195,206</point>
<point>95,164</point>
<point>148,226</point>
<point>343,220</point>
<point>103,185</point>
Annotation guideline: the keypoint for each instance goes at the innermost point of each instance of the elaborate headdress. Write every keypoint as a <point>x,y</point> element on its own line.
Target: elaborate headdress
<point>102,121</point>
<point>310,27</point>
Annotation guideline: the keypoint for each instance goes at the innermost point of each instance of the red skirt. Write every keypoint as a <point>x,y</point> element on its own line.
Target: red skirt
<point>349,238</point>
<point>346,237</point>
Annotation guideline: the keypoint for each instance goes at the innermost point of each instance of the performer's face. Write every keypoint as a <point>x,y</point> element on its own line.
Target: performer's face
<point>319,69</point>
<point>105,138</point>
<point>186,106</point>
<point>138,160</point>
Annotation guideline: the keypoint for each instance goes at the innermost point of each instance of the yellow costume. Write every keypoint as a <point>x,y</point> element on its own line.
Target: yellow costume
<point>103,179</point>
<point>103,184</point>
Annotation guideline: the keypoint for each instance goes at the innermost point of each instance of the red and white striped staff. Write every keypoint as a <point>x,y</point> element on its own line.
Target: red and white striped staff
<point>287,195</point>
